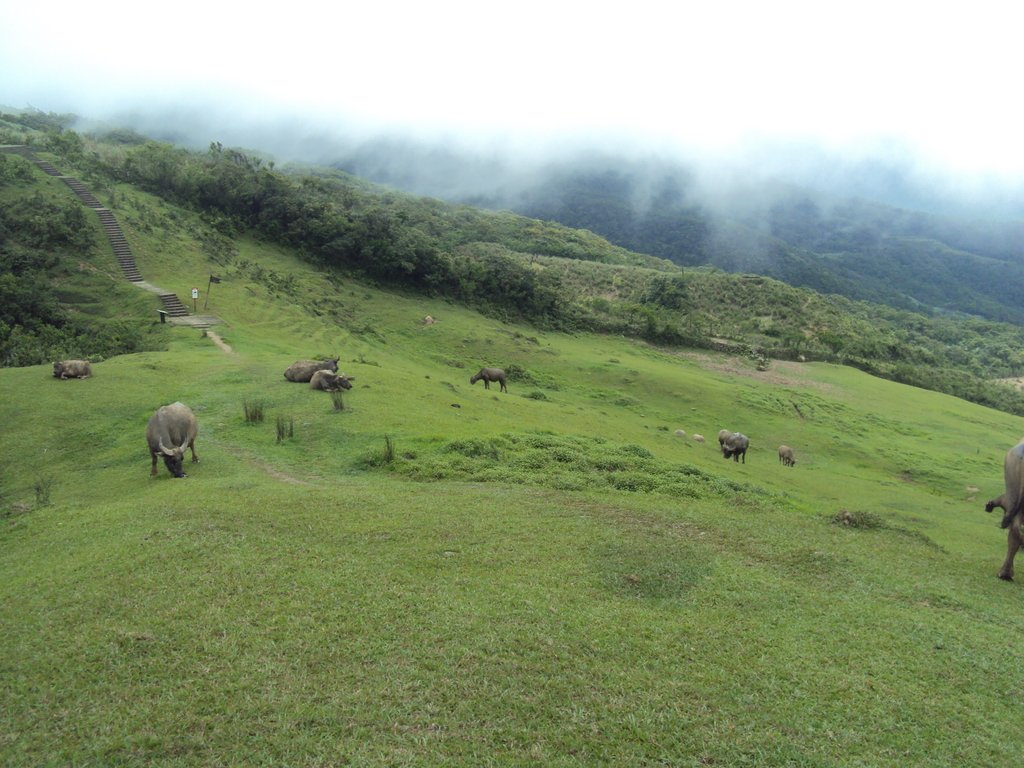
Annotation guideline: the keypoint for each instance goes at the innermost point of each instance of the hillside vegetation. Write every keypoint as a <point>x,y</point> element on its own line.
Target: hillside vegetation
<point>437,574</point>
<point>511,267</point>
<point>737,220</point>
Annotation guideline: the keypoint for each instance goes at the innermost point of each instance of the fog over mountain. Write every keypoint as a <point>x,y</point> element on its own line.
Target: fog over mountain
<point>869,149</point>
<point>910,104</point>
<point>496,170</point>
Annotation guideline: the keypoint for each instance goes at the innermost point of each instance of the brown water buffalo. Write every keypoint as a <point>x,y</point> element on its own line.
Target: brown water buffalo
<point>786,456</point>
<point>722,435</point>
<point>72,369</point>
<point>303,370</point>
<point>735,446</point>
<point>489,375</point>
<point>170,431</point>
<point>1011,502</point>
<point>330,382</point>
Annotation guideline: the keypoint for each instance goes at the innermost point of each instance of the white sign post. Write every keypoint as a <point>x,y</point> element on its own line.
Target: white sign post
<point>195,295</point>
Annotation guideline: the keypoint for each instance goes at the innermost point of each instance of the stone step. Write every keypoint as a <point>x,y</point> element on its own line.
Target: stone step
<point>45,167</point>
<point>173,305</point>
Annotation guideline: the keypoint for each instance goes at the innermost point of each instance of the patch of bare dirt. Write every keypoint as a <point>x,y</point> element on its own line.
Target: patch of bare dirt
<point>783,373</point>
<point>1017,383</point>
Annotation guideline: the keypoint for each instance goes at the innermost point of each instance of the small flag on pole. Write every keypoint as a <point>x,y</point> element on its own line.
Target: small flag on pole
<point>213,279</point>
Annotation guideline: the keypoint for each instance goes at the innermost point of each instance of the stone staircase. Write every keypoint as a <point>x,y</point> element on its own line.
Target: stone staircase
<point>122,251</point>
<point>173,306</point>
<point>80,190</point>
<point>44,166</point>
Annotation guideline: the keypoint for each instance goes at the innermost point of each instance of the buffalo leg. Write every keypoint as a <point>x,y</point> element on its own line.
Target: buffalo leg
<point>1013,543</point>
<point>152,472</point>
<point>192,445</point>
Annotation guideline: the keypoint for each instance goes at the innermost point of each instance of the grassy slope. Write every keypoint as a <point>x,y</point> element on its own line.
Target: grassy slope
<point>285,605</point>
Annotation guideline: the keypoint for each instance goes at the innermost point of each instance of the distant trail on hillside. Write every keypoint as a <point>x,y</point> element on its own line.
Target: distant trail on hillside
<point>173,306</point>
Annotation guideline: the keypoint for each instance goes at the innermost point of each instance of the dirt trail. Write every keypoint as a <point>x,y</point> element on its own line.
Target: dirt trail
<point>219,342</point>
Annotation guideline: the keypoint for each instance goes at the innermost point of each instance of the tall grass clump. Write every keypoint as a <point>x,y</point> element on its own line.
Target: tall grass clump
<point>285,428</point>
<point>253,411</point>
<point>380,458</point>
<point>337,400</point>
<point>42,486</point>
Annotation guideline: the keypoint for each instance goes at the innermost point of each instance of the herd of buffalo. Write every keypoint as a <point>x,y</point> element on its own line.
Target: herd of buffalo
<point>173,428</point>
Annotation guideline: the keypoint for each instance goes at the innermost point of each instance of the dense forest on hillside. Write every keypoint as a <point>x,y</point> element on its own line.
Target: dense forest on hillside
<point>503,264</point>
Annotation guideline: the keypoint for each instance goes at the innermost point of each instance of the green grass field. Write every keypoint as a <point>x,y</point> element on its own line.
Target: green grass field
<point>550,576</point>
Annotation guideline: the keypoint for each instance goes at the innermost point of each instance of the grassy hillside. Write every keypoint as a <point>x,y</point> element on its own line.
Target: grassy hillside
<point>506,266</point>
<point>549,576</point>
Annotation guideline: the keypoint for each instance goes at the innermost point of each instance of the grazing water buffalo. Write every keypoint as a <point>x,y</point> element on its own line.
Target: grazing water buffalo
<point>303,370</point>
<point>489,375</point>
<point>169,432</point>
<point>786,456</point>
<point>330,382</point>
<point>734,446</point>
<point>1011,502</point>
<point>72,369</point>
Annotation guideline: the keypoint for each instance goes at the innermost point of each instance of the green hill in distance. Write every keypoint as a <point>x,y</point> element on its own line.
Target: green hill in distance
<point>430,573</point>
<point>503,265</point>
<point>870,231</point>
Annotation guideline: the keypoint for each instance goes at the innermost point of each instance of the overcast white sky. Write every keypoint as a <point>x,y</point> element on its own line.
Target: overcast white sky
<point>945,77</point>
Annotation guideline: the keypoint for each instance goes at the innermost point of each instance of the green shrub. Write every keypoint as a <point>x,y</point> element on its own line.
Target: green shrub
<point>857,519</point>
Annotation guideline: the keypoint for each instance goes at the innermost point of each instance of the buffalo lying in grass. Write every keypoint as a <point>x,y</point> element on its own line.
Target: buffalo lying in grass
<point>330,382</point>
<point>72,369</point>
<point>303,370</point>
